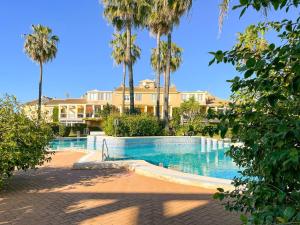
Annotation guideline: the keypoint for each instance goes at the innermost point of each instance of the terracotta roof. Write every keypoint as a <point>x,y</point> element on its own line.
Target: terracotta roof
<point>217,102</point>
<point>60,101</point>
<point>35,102</point>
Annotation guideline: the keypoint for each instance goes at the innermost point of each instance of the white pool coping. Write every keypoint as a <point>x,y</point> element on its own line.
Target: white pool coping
<point>93,160</point>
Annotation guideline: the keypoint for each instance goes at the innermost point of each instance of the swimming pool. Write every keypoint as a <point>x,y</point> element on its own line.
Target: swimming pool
<point>189,155</point>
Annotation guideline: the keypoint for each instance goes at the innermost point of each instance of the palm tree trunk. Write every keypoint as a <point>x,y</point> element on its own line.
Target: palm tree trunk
<point>130,70</point>
<point>40,91</point>
<point>167,83</point>
<point>158,76</point>
<point>124,87</point>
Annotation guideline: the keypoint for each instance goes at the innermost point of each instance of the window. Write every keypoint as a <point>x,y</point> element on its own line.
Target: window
<point>154,97</point>
<point>108,96</point>
<point>138,97</point>
<point>72,112</point>
<point>184,97</point>
<point>80,111</point>
<point>200,98</point>
<point>89,111</point>
<point>101,96</point>
<point>127,98</point>
<point>63,112</point>
<point>93,96</point>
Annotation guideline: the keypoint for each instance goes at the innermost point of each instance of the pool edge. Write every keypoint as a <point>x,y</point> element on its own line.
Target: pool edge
<point>93,160</point>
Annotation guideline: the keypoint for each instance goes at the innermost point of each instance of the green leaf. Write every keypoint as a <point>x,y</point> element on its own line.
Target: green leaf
<point>272,47</point>
<point>244,2</point>
<point>244,218</point>
<point>243,12</point>
<point>289,212</point>
<point>236,7</point>
<point>219,55</point>
<point>248,73</point>
<point>212,61</point>
<point>250,62</point>
<point>275,4</point>
<point>272,99</point>
<point>289,27</point>
<point>220,189</point>
<point>219,196</point>
<point>296,84</point>
<point>223,131</point>
<point>283,3</point>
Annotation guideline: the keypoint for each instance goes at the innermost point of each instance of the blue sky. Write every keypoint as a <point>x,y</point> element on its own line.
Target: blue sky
<point>84,62</point>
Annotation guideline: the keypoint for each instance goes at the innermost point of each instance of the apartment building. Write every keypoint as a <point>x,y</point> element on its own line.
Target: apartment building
<point>87,108</point>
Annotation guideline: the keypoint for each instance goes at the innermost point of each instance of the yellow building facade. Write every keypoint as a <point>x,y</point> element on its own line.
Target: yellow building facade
<point>86,108</point>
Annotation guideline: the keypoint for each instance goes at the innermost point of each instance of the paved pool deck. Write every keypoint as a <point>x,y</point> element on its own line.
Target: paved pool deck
<point>58,194</point>
<point>93,160</point>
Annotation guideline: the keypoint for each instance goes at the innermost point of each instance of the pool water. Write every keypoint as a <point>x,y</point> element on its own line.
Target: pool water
<point>190,158</point>
<point>68,143</point>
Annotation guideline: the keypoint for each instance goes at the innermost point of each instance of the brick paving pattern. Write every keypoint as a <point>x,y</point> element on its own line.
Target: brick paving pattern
<point>56,194</point>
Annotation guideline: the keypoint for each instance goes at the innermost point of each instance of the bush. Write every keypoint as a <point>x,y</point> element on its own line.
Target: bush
<point>81,127</point>
<point>55,114</point>
<point>64,130</point>
<point>23,141</point>
<point>94,128</point>
<point>55,128</point>
<point>133,125</point>
<point>265,116</point>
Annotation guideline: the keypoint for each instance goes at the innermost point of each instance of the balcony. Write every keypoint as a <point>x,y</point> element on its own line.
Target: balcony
<point>65,116</point>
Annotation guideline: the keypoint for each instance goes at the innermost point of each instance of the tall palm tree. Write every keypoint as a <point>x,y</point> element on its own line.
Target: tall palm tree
<point>125,14</point>
<point>119,55</point>
<point>176,58</point>
<point>174,9</point>
<point>41,47</point>
<point>157,24</point>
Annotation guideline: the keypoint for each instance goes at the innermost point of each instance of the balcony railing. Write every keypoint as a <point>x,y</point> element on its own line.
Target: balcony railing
<point>71,116</point>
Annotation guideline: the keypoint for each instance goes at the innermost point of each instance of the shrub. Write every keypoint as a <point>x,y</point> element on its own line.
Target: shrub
<point>64,130</point>
<point>94,129</point>
<point>265,116</point>
<point>73,132</point>
<point>133,125</point>
<point>55,128</point>
<point>55,114</point>
<point>81,127</point>
<point>107,110</point>
<point>23,141</point>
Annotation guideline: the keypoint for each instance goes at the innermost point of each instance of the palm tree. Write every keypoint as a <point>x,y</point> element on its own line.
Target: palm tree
<point>125,14</point>
<point>224,8</point>
<point>41,47</point>
<point>176,58</point>
<point>119,55</point>
<point>157,24</point>
<point>174,9</point>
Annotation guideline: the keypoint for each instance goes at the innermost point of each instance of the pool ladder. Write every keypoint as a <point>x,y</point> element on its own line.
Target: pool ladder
<point>105,155</point>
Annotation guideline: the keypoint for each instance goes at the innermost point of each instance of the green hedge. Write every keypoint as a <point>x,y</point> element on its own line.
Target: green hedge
<point>71,131</point>
<point>133,125</point>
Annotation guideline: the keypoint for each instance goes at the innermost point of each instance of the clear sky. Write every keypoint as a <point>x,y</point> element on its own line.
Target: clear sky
<point>84,62</point>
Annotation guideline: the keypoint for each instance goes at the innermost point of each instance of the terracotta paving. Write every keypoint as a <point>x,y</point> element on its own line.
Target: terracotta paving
<point>56,194</point>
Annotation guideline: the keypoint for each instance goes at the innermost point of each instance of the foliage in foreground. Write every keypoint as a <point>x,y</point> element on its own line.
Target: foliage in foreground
<point>133,125</point>
<point>23,141</point>
<point>265,116</point>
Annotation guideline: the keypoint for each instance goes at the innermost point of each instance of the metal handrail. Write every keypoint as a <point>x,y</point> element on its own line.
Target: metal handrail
<point>104,155</point>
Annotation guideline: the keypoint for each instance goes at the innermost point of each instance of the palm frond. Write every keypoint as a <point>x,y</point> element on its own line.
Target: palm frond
<point>224,8</point>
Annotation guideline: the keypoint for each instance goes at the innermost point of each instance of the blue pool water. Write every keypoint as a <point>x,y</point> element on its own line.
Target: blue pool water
<point>187,157</point>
